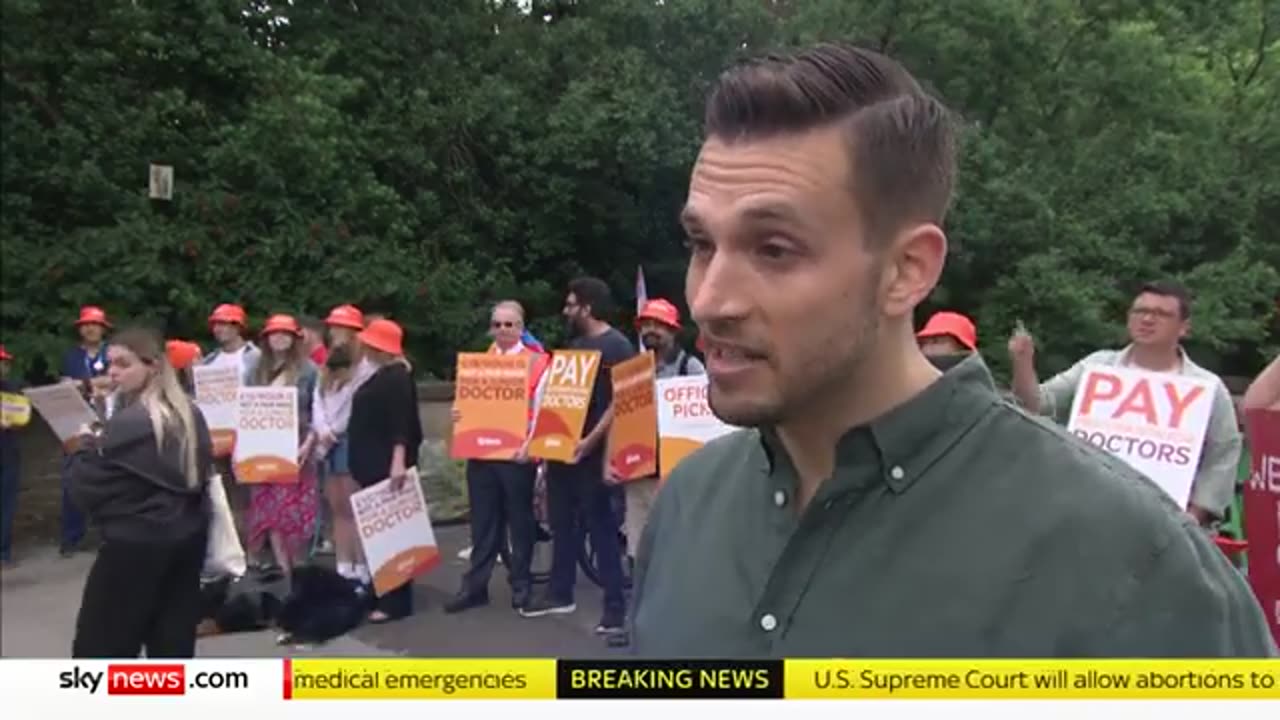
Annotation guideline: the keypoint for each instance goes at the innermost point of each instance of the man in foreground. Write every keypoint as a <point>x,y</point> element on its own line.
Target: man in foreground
<point>876,507</point>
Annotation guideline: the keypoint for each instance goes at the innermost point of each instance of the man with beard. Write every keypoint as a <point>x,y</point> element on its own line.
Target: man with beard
<point>947,339</point>
<point>874,506</point>
<point>581,483</point>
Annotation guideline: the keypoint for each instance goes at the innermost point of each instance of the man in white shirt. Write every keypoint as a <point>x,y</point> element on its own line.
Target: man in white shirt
<point>1159,318</point>
<point>229,325</point>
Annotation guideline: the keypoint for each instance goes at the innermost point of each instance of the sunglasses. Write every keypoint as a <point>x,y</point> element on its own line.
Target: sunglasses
<point>503,324</point>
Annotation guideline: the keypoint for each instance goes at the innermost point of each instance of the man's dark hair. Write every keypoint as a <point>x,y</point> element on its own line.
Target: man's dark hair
<point>594,293</point>
<point>310,322</point>
<point>900,139</point>
<point>1169,288</point>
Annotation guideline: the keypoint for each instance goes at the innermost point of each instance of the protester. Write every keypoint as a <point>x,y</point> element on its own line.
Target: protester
<point>342,375</point>
<point>385,433</point>
<point>229,325</point>
<point>284,514</point>
<point>1264,391</point>
<point>947,339</point>
<point>143,483</point>
<point>10,463</point>
<point>344,322</point>
<point>86,365</point>
<point>313,339</point>
<point>500,493</point>
<point>580,484</point>
<point>659,324</point>
<point>1159,318</point>
<point>873,506</point>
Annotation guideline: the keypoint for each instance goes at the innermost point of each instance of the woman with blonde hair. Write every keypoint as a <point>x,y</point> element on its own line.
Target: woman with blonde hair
<point>143,481</point>
<point>284,514</point>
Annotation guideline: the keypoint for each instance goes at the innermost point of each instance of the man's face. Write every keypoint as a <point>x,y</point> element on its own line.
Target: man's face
<point>938,345</point>
<point>575,315</point>
<point>340,335</point>
<point>656,335</point>
<point>1156,321</point>
<point>91,333</point>
<point>505,327</point>
<point>780,281</point>
<point>225,332</point>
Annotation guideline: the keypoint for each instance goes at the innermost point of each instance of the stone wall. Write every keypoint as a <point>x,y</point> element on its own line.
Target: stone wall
<point>39,499</point>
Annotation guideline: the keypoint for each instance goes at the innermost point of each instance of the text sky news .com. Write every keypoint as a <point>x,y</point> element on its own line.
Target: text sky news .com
<point>313,683</point>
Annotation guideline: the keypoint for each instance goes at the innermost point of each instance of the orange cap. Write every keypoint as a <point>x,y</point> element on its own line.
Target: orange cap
<point>662,311</point>
<point>92,315</point>
<point>182,354</point>
<point>281,323</point>
<point>4,354</point>
<point>229,313</point>
<point>383,335</point>
<point>347,316</point>
<point>954,324</point>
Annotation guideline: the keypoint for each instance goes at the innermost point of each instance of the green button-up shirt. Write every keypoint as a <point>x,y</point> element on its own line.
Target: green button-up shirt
<point>954,526</point>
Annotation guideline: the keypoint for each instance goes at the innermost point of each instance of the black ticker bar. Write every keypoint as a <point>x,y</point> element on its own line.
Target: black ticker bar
<point>636,679</point>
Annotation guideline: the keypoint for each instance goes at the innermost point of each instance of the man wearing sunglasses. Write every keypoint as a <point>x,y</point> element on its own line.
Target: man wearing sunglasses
<point>1159,317</point>
<point>501,492</point>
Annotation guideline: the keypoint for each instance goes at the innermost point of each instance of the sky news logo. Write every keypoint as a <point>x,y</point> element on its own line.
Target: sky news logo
<point>148,679</point>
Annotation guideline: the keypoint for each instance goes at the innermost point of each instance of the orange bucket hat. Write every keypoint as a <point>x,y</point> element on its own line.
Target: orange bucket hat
<point>92,315</point>
<point>346,316</point>
<point>385,336</point>
<point>661,311</point>
<point>229,313</point>
<point>954,324</point>
<point>182,354</point>
<point>281,323</point>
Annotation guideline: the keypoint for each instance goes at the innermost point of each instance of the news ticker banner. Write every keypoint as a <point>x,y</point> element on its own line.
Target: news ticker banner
<point>537,679</point>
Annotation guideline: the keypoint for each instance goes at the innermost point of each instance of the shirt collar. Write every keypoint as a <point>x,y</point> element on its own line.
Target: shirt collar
<point>1185,366</point>
<point>909,439</point>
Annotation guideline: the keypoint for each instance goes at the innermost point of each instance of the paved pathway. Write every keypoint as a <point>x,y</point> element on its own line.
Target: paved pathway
<point>39,600</point>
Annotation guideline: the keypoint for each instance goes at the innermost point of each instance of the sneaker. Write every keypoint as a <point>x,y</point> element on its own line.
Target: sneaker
<point>465,553</point>
<point>465,601</point>
<point>546,606</point>
<point>520,599</point>
<point>611,623</point>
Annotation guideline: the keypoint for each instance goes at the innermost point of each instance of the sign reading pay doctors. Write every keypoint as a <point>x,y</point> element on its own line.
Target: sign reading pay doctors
<point>1156,422</point>
<point>563,409</point>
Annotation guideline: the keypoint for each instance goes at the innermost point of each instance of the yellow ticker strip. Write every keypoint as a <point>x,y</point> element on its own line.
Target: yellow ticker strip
<point>406,679</point>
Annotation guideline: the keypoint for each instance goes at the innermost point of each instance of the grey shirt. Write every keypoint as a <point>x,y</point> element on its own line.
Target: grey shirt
<point>955,525</point>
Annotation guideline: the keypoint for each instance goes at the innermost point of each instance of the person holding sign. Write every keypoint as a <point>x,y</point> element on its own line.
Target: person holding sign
<point>86,365</point>
<point>284,514</point>
<point>143,483</point>
<point>871,505</point>
<point>385,433</point>
<point>1159,318</point>
<point>501,491</point>
<point>229,324</point>
<point>581,482</point>
<point>16,414</point>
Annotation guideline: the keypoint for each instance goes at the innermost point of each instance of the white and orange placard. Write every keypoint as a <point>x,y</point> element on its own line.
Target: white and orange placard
<point>217,393</point>
<point>491,392</point>
<point>64,409</point>
<point>1156,422</point>
<point>266,448</point>
<point>685,420</point>
<point>562,412</point>
<point>633,436</point>
<point>395,531</point>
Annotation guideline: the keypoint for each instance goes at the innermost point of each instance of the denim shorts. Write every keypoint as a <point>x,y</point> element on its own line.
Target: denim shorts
<point>338,460</point>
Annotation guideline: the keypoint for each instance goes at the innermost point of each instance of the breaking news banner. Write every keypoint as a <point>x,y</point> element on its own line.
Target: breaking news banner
<point>300,687</point>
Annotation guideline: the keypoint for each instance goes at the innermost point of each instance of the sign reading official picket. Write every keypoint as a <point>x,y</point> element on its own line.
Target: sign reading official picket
<point>1156,422</point>
<point>685,420</point>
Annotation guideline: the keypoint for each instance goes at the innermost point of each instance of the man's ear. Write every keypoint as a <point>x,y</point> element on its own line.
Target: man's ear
<point>913,264</point>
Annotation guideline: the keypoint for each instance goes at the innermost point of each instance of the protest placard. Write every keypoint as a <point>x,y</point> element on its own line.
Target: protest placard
<point>65,409</point>
<point>266,447</point>
<point>395,531</point>
<point>685,420</point>
<point>1262,512</point>
<point>563,409</point>
<point>217,393</point>
<point>491,393</point>
<point>633,436</point>
<point>1156,422</point>
<point>15,409</point>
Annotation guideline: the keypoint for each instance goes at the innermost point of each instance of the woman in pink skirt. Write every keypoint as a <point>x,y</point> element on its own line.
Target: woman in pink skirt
<point>284,514</point>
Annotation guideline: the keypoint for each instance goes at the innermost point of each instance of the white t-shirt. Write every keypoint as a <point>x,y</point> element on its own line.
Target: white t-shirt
<point>230,359</point>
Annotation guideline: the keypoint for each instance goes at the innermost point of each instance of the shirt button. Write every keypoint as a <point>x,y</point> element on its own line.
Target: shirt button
<point>768,622</point>
<point>780,498</point>
<point>896,473</point>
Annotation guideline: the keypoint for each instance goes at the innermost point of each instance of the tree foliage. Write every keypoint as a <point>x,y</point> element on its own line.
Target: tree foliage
<point>426,158</point>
